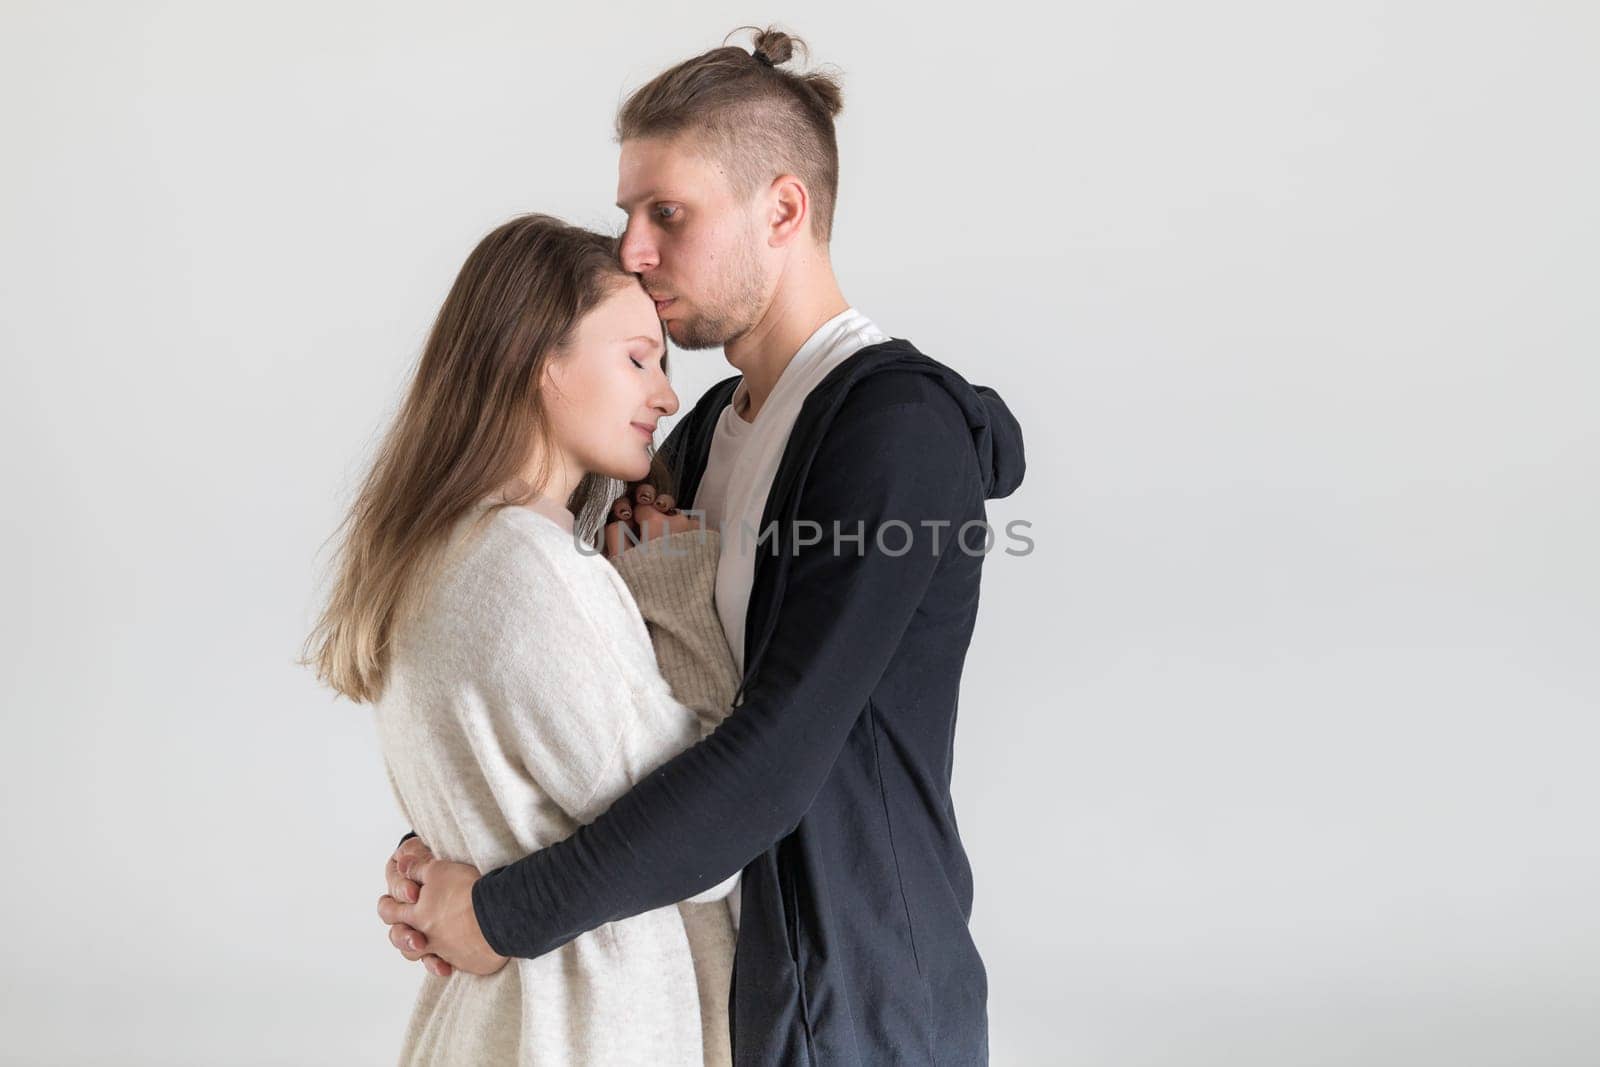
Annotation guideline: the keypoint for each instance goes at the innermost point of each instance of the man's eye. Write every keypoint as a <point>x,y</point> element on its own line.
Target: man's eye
<point>666,211</point>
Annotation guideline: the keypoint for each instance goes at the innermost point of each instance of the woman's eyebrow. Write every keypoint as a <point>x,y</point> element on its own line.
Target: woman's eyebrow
<point>654,342</point>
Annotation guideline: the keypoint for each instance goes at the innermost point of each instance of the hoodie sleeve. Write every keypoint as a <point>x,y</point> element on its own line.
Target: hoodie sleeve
<point>898,452</point>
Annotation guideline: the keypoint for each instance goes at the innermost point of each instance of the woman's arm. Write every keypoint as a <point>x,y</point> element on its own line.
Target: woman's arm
<point>673,580</point>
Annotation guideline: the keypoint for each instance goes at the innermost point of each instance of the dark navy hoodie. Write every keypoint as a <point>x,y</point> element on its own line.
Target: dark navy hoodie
<point>830,782</point>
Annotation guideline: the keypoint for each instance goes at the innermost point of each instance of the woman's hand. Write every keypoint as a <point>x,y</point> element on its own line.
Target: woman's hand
<point>402,890</point>
<point>641,514</point>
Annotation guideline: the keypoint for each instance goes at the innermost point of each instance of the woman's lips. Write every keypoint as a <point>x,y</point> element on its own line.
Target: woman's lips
<point>647,431</point>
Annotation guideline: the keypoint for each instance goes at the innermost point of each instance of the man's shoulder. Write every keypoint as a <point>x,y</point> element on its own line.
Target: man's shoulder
<point>892,385</point>
<point>894,420</point>
<point>899,389</point>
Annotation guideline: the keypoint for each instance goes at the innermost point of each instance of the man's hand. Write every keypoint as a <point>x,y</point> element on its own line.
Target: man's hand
<point>440,927</point>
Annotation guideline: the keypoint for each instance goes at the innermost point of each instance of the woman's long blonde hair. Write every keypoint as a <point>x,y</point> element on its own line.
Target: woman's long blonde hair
<point>466,429</point>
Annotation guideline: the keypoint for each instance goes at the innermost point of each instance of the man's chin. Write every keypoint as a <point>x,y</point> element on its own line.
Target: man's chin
<point>687,337</point>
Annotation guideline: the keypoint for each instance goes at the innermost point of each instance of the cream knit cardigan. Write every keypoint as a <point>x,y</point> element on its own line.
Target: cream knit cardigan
<point>521,700</point>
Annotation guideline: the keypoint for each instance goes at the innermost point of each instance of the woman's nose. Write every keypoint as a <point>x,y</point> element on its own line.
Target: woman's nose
<point>666,401</point>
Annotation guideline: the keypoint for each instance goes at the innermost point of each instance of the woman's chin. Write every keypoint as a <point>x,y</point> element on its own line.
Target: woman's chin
<point>632,471</point>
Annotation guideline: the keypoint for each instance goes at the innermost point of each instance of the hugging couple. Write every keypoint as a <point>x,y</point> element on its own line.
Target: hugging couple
<point>679,796</point>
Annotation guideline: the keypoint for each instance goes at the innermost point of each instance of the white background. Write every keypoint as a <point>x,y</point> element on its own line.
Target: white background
<point>1279,750</point>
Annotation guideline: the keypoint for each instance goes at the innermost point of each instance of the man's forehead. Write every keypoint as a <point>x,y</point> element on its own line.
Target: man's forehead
<point>657,169</point>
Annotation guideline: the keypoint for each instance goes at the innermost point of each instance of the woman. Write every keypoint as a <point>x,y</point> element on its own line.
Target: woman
<point>515,686</point>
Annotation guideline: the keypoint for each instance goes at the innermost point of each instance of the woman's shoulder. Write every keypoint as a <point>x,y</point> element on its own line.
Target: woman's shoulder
<point>525,527</point>
<point>500,565</point>
<point>517,538</point>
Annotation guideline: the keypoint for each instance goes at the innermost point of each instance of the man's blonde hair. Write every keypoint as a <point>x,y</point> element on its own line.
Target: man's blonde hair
<point>757,119</point>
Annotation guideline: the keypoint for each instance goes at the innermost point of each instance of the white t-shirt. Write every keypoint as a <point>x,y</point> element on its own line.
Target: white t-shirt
<point>727,441</point>
<point>744,461</point>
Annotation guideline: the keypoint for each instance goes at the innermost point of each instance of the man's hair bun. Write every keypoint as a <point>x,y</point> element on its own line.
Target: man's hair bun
<point>776,45</point>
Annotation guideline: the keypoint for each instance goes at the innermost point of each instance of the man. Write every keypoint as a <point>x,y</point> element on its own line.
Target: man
<point>865,462</point>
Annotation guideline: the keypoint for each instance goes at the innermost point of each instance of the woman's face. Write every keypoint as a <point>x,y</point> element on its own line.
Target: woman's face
<point>604,395</point>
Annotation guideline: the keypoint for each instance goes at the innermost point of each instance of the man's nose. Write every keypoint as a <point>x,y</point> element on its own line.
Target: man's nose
<point>638,253</point>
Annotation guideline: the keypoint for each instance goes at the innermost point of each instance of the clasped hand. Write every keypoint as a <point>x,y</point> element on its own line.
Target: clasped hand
<point>429,912</point>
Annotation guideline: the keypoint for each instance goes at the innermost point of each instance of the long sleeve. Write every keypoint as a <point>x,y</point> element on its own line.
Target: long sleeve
<point>673,581</point>
<point>898,456</point>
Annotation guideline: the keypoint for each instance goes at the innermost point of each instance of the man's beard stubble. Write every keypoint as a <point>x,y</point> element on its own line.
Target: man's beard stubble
<point>732,316</point>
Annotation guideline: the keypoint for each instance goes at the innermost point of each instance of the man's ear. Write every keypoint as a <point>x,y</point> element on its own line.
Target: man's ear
<point>790,210</point>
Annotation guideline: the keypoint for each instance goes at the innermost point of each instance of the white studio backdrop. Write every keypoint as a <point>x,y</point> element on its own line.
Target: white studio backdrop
<point>1278,750</point>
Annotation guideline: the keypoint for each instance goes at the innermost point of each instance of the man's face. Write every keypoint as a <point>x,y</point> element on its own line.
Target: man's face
<point>692,241</point>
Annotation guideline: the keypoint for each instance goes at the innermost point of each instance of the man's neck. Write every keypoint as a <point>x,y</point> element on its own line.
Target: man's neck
<point>798,309</point>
